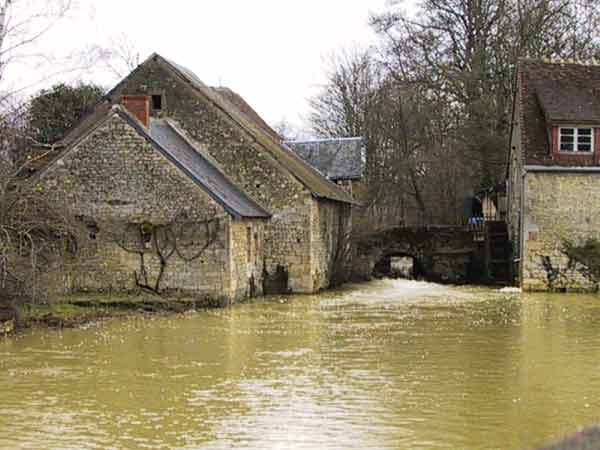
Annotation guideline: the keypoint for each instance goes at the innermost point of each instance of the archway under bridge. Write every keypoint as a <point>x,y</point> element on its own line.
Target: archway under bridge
<point>447,254</point>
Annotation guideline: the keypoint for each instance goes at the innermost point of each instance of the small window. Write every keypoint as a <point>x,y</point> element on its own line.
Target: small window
<point>574,139</point>
<point>157,102</point>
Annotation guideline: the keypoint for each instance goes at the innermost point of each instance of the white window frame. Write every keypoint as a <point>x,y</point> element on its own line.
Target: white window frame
<point>576,129</point>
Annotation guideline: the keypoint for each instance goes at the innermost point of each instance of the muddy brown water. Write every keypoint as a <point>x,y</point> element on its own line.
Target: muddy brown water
<point>385,365</point>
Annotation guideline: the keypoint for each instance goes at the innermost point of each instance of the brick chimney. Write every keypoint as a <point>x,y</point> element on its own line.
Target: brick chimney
<point>139,106</point>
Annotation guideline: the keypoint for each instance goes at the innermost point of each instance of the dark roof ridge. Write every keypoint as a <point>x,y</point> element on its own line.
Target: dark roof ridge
<point>236,100</point>
<point>186,137</point>
<point>258,211</point>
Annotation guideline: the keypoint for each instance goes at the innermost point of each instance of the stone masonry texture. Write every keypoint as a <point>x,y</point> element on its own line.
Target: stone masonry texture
<point>114,176</point>
<point>558,207</point>
<point>289,238</point>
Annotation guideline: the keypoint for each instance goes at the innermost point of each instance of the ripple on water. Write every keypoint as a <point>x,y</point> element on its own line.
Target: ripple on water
<point>389,364</point>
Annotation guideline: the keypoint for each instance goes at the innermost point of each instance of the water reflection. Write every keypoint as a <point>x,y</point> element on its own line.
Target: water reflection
<point>386,365</point>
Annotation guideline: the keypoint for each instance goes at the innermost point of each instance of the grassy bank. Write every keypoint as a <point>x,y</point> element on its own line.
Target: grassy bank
<point>77,310</point>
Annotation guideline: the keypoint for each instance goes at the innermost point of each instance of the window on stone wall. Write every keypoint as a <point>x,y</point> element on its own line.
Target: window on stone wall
<point>575,139</point>
<point>157,102</point>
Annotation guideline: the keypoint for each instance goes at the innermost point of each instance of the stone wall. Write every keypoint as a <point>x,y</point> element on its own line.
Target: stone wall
<point>247,258</point>
<point>558,207</point>
<point>361,220</point>
<point>115,177</point>
<point>330,226</point>
<point>287,240</point>
<point>103,266</point>
<point>440,253</point>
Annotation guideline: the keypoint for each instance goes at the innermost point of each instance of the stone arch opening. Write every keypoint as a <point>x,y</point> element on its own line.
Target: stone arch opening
<point>398,265</point>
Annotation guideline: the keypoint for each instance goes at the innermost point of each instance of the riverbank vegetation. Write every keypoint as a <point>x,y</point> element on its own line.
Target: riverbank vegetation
<point>80,309</point>
<point>33,233</point>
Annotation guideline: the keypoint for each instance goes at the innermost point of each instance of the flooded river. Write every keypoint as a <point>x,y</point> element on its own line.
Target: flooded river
<point>386,365</point>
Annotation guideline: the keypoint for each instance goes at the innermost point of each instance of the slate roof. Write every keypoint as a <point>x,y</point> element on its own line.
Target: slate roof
<point>166,137</point>
<point>203,169</point>
<point>552,93</point>
<point>337,159</point>
<point>317,184</point>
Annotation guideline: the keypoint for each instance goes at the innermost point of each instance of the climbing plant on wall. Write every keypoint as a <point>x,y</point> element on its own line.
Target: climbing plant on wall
<point>181,238</point>
<point>586,257</point>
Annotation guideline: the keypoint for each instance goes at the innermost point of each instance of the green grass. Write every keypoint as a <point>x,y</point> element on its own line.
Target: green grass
<point>77,309</point>
<point>64,314</point>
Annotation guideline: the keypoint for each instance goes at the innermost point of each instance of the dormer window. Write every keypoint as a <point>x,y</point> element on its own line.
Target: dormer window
<point>575,139</point>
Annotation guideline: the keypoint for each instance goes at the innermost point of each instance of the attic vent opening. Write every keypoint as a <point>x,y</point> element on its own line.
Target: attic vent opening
<point>157,102</point>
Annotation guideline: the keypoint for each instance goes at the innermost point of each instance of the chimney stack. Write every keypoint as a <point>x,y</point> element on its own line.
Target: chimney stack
<point>139,106</point>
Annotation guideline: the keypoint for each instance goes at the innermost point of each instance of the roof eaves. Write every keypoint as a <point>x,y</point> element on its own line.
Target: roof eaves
<point>132,121</point>
<point>262,212</point>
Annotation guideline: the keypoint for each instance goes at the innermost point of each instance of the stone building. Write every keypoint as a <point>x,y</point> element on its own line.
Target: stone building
<point>341,160</point>
<point>178,148</point>
<point>554,171</point>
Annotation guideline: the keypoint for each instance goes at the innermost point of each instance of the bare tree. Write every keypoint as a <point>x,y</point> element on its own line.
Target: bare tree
<point>121,57</point>
<point>405,131</point>
<point>465,53</point>
<point>434,105</point>
<point>286,130</point>
<point>34,233</point>
<point>22,25</point>
<point>33,236</point>
<point>340,109</point>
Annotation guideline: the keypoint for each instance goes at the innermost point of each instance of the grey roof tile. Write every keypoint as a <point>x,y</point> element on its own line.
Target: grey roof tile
<point>203,170</point>
<point>564,101</point>
<point>166,137</point>
<point>337,159</point>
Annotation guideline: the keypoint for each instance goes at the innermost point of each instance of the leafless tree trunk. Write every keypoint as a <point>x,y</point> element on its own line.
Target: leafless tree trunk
<point>122,57</point>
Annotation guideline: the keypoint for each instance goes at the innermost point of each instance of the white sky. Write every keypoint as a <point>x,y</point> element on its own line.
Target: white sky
<point>271,52</point>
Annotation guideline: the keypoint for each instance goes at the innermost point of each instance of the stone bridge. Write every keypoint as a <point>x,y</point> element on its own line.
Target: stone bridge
<point>448,254</point>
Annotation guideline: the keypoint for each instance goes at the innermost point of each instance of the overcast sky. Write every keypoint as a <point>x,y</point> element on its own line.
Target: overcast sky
<point>270,51</point>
